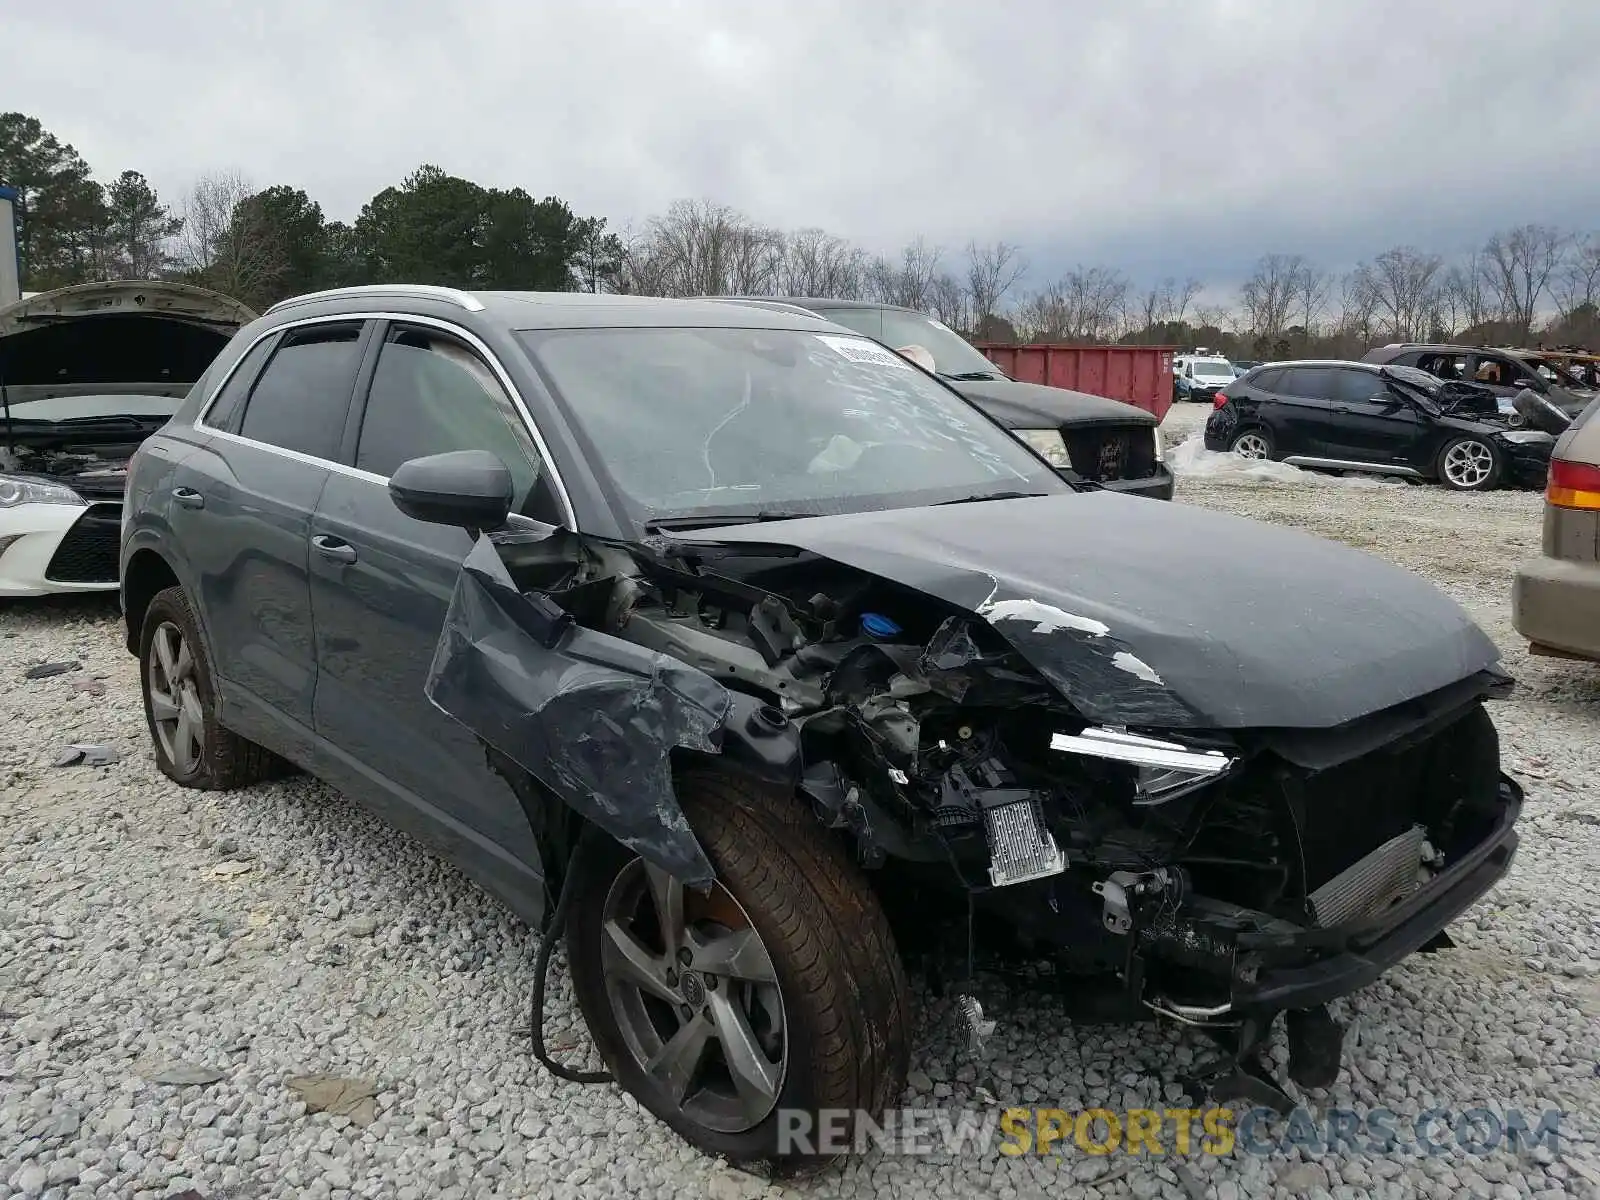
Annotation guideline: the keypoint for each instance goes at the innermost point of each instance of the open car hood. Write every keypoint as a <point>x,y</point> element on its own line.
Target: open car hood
<point>145,297</point>
<point>134,336</point>
<point>1163,615</point>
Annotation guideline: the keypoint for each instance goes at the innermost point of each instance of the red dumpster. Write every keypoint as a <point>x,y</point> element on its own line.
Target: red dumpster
<point>1139,375</point>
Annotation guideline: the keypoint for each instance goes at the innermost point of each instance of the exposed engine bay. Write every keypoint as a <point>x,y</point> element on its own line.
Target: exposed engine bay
<point>98,472</point>
<point>981,763</point>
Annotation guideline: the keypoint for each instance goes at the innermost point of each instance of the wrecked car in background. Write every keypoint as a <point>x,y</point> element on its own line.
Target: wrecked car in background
<point>1332,415</point>
<point>759,663</point>
<point>86,374</point>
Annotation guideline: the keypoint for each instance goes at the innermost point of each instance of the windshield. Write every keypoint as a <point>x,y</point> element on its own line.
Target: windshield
<point>952,354</point>
<point>1213,368</point>
<point>690,422</point>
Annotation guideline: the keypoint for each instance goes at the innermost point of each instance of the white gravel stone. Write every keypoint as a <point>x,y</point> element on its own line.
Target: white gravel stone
<point>332,945</point>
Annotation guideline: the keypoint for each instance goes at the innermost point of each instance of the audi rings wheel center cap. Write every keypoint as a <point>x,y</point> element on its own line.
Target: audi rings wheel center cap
<point>694,992</point>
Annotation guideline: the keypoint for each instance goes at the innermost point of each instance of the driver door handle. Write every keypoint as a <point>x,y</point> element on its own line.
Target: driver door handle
<point>334,549</point>
<point>188,497</point>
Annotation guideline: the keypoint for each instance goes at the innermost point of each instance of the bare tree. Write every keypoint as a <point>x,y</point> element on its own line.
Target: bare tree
<point>1463,301</point>
<point>1518,266</point>
<point>1311,288</point>
<point>1402,286</point>
<point>1087,304</point>
<point>950,303</point>
<point>1269,294</point>
<point>1357,303</point>
<point>910,281</point>
<point>815,263</point>
<point>1215,316</point>
<point>1167,303</point>
<point>645,269</point>
<point>208,213</point>
<point>992,271</point>
<point>1579,282</point>
<point>701,248</point>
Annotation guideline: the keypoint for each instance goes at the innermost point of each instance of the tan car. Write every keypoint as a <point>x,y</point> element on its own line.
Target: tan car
<point>1555,601</point>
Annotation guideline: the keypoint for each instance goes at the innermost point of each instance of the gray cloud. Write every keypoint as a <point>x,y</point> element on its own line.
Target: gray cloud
<point>1164,138</point>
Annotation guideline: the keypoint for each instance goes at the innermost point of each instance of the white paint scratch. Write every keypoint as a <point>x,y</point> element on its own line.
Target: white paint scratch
<point>1046,618</point>
<point>1124,661</point>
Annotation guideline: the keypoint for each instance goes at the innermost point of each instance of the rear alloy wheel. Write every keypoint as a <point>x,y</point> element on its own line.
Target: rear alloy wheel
<point>779,990</point>
<point>1252,443</point>
<point>180,704</point>
<point>1470,464</point>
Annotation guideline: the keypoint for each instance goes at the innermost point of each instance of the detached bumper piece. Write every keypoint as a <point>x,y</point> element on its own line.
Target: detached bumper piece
<point>87,553</point>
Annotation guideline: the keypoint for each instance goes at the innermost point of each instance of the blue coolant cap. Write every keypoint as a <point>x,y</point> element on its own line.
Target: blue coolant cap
<point>879,626</point>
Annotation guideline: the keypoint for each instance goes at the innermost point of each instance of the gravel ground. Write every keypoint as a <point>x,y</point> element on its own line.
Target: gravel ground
<point>171,960</point>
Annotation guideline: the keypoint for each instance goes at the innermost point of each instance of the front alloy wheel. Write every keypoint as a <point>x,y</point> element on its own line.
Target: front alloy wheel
<point>695,997</point>
<point>1469,464</point>
<point>727,1013</point>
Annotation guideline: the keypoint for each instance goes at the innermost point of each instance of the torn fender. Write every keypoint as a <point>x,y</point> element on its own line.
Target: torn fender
<point>593,718</point>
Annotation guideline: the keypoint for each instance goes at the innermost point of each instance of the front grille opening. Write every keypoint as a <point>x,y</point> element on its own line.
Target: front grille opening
<point>1304,831</point>
<point>1107,455</point>
<point>88,552</point>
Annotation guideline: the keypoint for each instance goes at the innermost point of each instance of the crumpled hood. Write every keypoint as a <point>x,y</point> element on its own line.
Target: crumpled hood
<point>1165,615</point>
<point>1037,406</point>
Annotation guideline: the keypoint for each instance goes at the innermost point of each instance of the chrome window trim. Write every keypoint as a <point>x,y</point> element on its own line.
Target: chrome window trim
<point>426,291</point>
<point>466,336</point>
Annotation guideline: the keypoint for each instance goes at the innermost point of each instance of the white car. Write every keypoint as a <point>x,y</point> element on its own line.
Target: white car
<point>63,461</point>
<point>1197,377</point>
<point>86,374</point>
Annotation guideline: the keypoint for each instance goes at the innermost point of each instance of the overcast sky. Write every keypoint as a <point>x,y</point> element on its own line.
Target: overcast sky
<point>1163,138</point>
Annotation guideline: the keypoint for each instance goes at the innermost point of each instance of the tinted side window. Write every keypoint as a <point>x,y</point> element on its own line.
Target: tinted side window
<point>1356,387</point>
<point>431,394</point>
<point>1266,381</point>
<point>1315,383</point>
<point>224,412</point>
<point>301,399</point>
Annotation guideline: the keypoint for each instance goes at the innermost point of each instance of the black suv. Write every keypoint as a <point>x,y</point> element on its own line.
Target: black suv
<point>751,658</point>
<point>1347,416</point>
<point>1503,372</point>
<point>1092,438</point>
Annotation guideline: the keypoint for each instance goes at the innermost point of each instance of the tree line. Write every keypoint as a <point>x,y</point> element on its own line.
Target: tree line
<point>1524,284</point>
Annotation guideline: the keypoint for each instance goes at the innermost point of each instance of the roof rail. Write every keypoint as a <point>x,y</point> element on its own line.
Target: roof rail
<point>422,290</point>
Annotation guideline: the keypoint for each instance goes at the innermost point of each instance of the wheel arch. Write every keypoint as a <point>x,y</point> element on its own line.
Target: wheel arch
<point>147,573</point>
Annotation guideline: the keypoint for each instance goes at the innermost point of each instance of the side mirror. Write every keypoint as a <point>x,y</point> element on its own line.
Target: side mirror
<point>468,488</point>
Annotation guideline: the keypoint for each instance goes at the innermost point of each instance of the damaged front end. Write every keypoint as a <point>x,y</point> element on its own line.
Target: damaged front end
<point>1021,782</point>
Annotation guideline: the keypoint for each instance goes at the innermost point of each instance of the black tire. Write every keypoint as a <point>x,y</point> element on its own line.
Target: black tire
<point>843,986</point>
<point>1470,464</point>
<point>225,760</point>
<point>1254,431</point>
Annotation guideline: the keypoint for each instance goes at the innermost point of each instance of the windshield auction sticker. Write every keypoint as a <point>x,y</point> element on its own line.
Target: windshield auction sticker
<point>859,350</point>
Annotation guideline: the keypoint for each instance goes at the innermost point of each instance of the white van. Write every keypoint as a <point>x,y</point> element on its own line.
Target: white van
<point>1200,377</point>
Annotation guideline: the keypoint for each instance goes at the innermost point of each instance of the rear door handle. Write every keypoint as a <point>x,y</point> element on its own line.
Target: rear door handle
<point>188,497</point>
<point>334,549</point>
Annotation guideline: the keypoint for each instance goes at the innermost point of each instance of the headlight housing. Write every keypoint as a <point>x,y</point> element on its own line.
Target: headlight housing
<point>1526,437</point>
<point>1161,443</point>
<point>1049,444</point>
<point>16,489</point>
